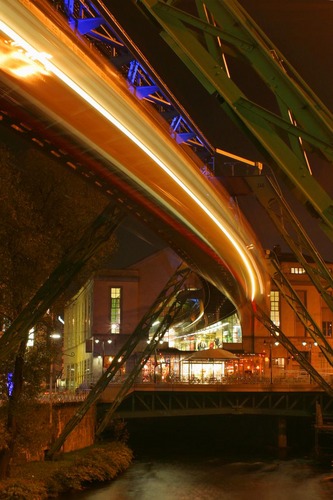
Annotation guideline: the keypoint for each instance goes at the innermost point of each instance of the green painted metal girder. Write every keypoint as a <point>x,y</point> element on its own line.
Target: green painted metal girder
<point>293,233</point>
<point>234,26</point>
<point>161,305</point>
<point>251,109</point>
<point>291,297</point>
<point>273,68</point>
<point>278,334</point>
<point>238,30</point>
<point>210,38</point>
<point>173,313</point>
<point>94,236</point>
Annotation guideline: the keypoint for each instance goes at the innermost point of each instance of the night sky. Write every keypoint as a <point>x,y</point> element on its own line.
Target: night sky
<point>302,31</point>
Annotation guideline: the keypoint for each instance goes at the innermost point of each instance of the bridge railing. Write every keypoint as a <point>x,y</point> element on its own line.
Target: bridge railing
<point>297,381</point>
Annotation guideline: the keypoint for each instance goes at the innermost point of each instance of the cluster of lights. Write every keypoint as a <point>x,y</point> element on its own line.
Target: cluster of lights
<point>20,62</point>
<point>208,329</point>
<point>97,341</point>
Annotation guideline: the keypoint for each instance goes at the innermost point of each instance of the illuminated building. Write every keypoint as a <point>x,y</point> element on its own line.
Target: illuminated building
<point>104,313</point>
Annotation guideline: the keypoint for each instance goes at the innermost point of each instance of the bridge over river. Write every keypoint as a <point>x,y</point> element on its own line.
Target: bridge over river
<point>137,162</point>
<point>280,402</point>
<point>168,400</point>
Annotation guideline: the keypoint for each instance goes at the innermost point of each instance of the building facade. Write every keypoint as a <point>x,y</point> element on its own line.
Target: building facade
<point>283,364</point>
<point>100,318</point>
<point>105,312</point>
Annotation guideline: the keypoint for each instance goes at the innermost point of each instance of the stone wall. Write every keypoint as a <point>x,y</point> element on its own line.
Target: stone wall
<point>84,433</point>
<point>41,424</point>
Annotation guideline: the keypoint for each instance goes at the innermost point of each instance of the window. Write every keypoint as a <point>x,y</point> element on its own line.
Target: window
<point>297,270</point>
<point>115,309</point>
<point>327,328</point>
<point>70,376</point>
<point>275,307</point>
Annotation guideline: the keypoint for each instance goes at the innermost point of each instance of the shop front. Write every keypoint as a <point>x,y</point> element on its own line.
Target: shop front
<point>208,366</point>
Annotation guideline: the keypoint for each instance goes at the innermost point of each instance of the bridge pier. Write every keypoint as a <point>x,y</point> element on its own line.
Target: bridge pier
<point>282,437</point>
<point>323,436</point>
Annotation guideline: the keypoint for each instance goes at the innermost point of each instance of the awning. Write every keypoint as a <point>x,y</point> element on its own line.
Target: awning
<point>211,354</point>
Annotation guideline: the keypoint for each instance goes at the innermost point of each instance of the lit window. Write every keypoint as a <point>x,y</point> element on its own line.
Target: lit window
<point>327,328</point>
<point>115,309</point>
<point>275,307</point>
<point>297,270</point>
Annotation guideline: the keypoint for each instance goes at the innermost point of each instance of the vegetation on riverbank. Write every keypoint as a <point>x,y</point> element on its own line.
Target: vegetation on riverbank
<point>69,472</point>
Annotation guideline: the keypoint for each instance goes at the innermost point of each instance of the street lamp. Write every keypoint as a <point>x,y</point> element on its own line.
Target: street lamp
<point>309,352</point>
<point>55,353</point>
<point>55,359</point>
<point>270,343</point>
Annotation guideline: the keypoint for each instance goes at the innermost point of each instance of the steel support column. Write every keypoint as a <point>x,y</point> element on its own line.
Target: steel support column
<point>278,334</point>
<point>273,201</point>
<point>172,315</point>
<point>98,232</point>
<point>162,305</point>
<point>239,34</point>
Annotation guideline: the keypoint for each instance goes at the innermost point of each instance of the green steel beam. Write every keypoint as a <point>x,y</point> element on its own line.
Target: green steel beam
<point>95,235</point>
<point>266,60</point>
<point>234,26</point>
<point>311,119</point>
<point>251,109</point>
<point>210,38</point>
<point>275,205</point>
<point>279,336</point>
<point>161,307</point>
<point>291,297</point>
<point>173,313</point>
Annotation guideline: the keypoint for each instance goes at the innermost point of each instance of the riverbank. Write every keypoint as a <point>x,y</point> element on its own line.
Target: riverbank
<point>69,472</point>
<point>214,477</point>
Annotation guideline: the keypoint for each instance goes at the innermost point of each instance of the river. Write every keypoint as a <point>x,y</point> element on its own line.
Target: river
<point>178,460</point>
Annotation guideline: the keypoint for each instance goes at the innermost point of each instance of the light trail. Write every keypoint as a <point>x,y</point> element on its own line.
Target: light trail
<point>203,196</point>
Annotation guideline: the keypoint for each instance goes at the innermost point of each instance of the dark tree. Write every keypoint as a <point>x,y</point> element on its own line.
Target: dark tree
<point>44,210</point>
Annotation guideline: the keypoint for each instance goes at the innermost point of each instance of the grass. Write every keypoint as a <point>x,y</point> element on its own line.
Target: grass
<point>68,472</point>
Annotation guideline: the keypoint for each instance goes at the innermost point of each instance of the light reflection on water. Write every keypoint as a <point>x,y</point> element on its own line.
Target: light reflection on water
<point>217,458</point>
<point>215,479</point>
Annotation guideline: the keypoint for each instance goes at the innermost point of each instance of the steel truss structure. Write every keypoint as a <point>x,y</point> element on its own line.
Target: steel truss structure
<point>167,306</point>
<point>95,235</point>
<point>299,309</point>
<point>299,121</point>
<point>218,401</point>
<point>225,28</point>
<point>172,313</point>
<point>279,336</point>
<point>94,21</point>
<point>271,198</point>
